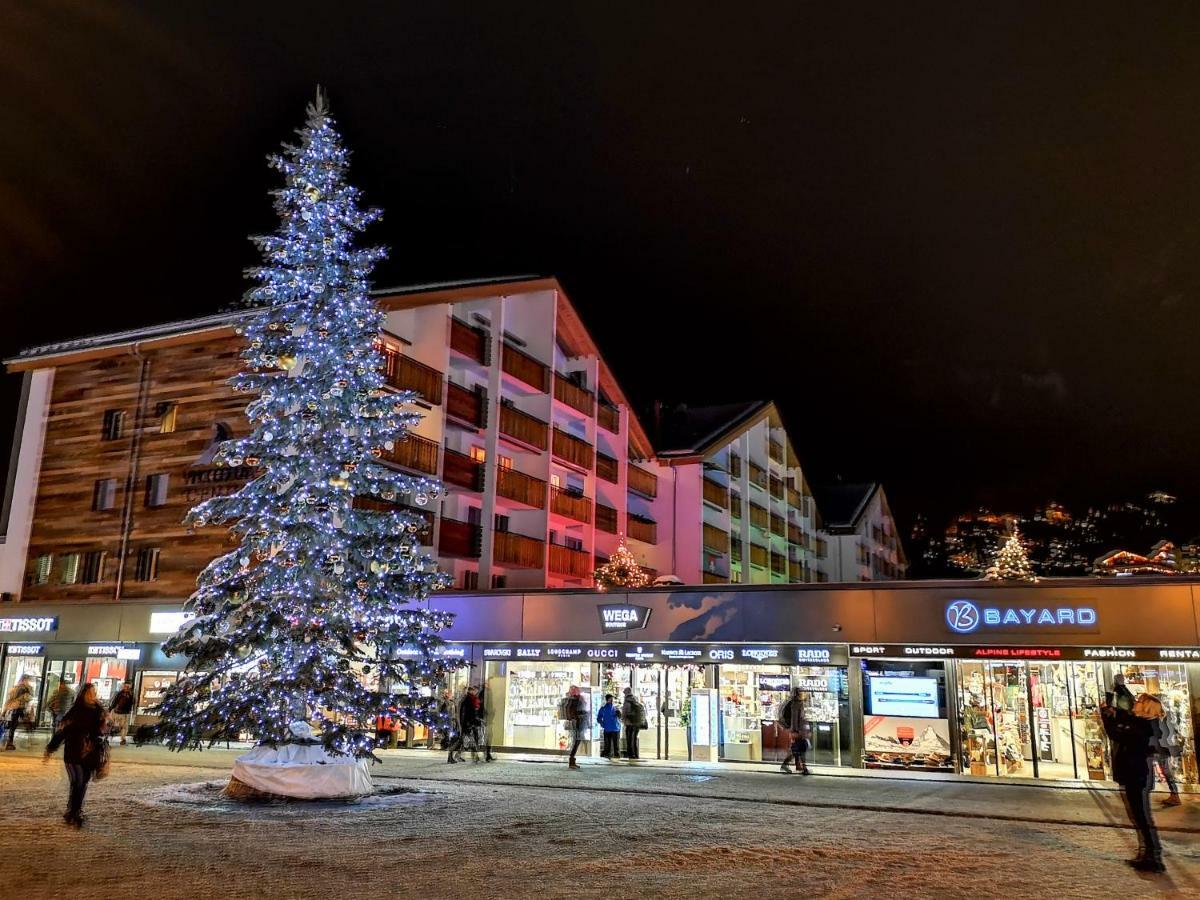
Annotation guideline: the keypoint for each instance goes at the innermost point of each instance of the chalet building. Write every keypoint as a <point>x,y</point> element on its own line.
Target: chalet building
<point>545,463</point>
<point>1161,560</point>
<point>863,542</point>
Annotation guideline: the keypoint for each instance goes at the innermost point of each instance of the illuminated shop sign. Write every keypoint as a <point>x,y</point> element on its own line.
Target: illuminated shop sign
<point>104,649</point>
<point>774,682</point>
<point>741,654</point>
<point>169,622</point>
<point>813,654</point>
<point>924,651</point>
<point>29,623</point>
<point>622,616</point>
<point>24,649</point>
<point>967,617</point>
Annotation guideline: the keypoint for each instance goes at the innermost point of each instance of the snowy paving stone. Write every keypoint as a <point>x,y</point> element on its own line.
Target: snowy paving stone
<point>207,797</point>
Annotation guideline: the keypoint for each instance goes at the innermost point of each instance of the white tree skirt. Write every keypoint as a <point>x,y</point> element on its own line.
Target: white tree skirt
<point>303,771</point>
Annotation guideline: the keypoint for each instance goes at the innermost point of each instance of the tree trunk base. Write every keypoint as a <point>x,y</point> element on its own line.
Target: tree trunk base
<point>239,790</point>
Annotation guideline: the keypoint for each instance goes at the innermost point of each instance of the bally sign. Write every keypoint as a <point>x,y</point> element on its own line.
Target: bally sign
<point>622,616</point>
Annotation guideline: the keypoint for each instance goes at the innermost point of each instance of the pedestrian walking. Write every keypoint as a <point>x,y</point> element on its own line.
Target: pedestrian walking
<point>121,710</point>
<point>1122,697</point>
<point>1167,746</point>
<point>85,752</point>
<point>16,707</point>
<point>609,719</point>
<point>633,715</point>
<point>444,729</point>
<point>470,722</point>
<point>483,733</point>
<point>1133,734</point>
<point>572,712</point>
<point>58,704</point>
<point>791,718</point>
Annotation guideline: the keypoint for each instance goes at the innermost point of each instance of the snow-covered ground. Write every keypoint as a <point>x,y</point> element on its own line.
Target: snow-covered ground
<point>157,828</point>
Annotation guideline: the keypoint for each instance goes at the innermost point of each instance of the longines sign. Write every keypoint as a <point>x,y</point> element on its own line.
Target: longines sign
<point>969,617</point>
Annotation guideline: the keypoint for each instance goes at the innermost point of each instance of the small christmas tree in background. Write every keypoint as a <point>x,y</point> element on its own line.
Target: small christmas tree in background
<point>1011,563</point>
<point>621,570</point>
<point>312,616</point>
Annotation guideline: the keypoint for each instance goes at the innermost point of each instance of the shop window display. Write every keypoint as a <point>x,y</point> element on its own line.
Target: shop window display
<point>745,707</point>
<point>525,697</point>
<point>16,667</point>
<point>151,689</point>
<point>905,723</point>
<point>1168,682</point>
<point>665,691</point>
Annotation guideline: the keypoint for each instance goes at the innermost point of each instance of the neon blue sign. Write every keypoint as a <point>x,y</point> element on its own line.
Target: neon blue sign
<point>965,617</point>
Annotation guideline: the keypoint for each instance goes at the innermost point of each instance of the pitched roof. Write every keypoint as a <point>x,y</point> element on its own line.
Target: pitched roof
<point>697,430</point>
<point>842,504</point>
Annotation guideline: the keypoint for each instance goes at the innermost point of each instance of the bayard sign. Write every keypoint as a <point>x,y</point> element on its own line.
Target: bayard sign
<point>969,617</point>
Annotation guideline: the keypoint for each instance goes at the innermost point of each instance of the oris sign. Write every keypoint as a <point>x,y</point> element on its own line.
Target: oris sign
<point>969,617</point>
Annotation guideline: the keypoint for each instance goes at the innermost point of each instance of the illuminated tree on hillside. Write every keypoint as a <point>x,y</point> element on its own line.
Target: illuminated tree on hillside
<point>1011,562</point>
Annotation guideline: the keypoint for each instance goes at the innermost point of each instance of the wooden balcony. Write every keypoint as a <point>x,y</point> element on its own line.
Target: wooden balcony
<point>573,450</point>
<point>606,468</point>
<point>570,504</point>
<point>521,488</point>
<point>779,564</point>
<point>758,475</point>
<point>609,418</point>
<point>523,427</point>
<point>468,407</point>
<point>716,539</point>
<point>759,556</point>
<point>641,529</point>
<point>459,539</point>
<point>714,578</point>
<point>406,374</point>
<point>566,561</point>
<point>459,469</point>
<point>795,498</point>
<point>573,395</point>
<point>645,483</point>
<point>776,487</point>
<point>735,505</point>
<point>471,342</point>
<point>521,365</point>
<point>518,551</point>
<point>416,453</point>
<point>794,535</point>
<point>775,451</point>
<point>759,517</point>
<point>735,466</point>
<point>606,519</point>
<point>795,572</point>
<point>735,550</point>
<point>716,494</point>
<point>778,524</point>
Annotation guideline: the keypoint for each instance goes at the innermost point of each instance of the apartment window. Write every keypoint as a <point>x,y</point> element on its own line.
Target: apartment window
<point>69,568</point>
<point>474,516</point>
<point>505,462</point>
<point>573,543</point>
<point>104,494</point>
<point>41,568</point>
<point>735,576</point>
<point>156,489</point>
<point>499,581</point>
<point>555,480</point>
<point>470,580</point>
<point>500,523</point>
<point>147,564</point>
<point>478,454</point>
<point>114,424</point>
<point>166,411</point>
<point>93,566</point>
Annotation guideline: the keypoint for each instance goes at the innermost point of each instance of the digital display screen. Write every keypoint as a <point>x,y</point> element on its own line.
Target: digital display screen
<point>911,697</point>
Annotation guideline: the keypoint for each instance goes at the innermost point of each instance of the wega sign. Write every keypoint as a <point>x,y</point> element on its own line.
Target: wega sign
<point>622,616</point>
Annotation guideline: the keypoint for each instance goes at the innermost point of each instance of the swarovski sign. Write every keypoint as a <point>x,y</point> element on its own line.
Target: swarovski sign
<point>966,617</point>
<point>622,616</point>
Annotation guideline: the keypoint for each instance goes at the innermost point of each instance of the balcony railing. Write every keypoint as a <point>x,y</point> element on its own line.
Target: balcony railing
<point>735,466</point>
<point>568,561</point>
<point>609,418</point>
<point>466,406</point>
<point>759,556</point>
<point>520,364</point>
<point>714,578</point>
<point>795,572</point>
<point>406,374</point>
<point>521,488</point>
<point>716,494</point>
<point>459,469</point>
<point>415,452</point>
<point>795,498</point>
<point>606,519</point>
<point>778,564</point>
<point>776,487</point>
<point>775,451</point>
<point>641,529</point>
<point>469,341</point>
<point>518,551</point>
<point>606,468</point>
<point>573,395</point>
<point>570,504</point>
<point>459,539</point>
<point>735,506</point>
<point>778,524</point>
<point>573,450</point>
<point>645,483</point>
<point>759,517</point>
<point>794,535</point>
<point>522,426</point>
<point>758,475</point>
<point>716,539</point>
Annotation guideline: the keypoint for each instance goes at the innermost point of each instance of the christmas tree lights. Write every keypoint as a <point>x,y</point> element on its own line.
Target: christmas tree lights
<point>1011,563</point>
<point>621,570</point>
<point>315,613</point>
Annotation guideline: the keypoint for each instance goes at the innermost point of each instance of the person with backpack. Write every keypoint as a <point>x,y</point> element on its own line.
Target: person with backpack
<point>633,715</point>
<point>121,710</point>
<point>16,707</point>
<point>84,752</point>
<point>609,719</point>
<point>572,712</point>
<point>1167,746</point>
<point>791,718</point>
<point>58,704</point>
<point>470,722</point>
<point>1132,734</point>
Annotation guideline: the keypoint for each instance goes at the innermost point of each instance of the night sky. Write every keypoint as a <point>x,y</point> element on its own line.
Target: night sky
<point>958,244</point>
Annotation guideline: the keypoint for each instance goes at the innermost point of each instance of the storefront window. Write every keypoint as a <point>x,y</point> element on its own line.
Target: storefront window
<point>751,700</point>
<point>905,722</point>
<point>60,671</point>
<point>16,667</point>
<point>107,673</point>
<point>665,691</point>
<point>524,698</point>
<point>1168,682</point>
<point>153,687</point>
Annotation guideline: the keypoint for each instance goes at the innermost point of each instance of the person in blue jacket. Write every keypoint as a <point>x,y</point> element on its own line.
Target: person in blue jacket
<point>610,720</point>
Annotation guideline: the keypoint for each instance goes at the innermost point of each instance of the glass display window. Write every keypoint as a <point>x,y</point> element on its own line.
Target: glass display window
<point>151,689</point>
<point>107,673</point>
<point>17,666</point>
<point>524,698</point>
<point>60,671</point>
<point>905,720</point>
<point>746,702</point>
<point>1168,682</point>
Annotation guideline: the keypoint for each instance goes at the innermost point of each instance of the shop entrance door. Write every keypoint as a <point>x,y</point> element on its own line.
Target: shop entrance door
<point>60,671</point>
<point>665,693</point>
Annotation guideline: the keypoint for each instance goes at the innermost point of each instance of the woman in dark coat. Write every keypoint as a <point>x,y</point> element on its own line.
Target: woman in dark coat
<point>83,748</point>
<point>1132,734</point>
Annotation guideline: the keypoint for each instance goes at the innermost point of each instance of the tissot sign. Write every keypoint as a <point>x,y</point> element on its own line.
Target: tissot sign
<point>968,617</point>
<point>622,616</point>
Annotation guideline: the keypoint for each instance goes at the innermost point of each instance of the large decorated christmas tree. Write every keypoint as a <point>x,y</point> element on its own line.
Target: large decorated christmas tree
<point>1011,562</point>
<point>621,571</point>
<point>311,627</point>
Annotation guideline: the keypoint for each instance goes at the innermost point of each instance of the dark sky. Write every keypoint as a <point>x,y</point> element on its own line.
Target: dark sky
<point>957,243</point>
